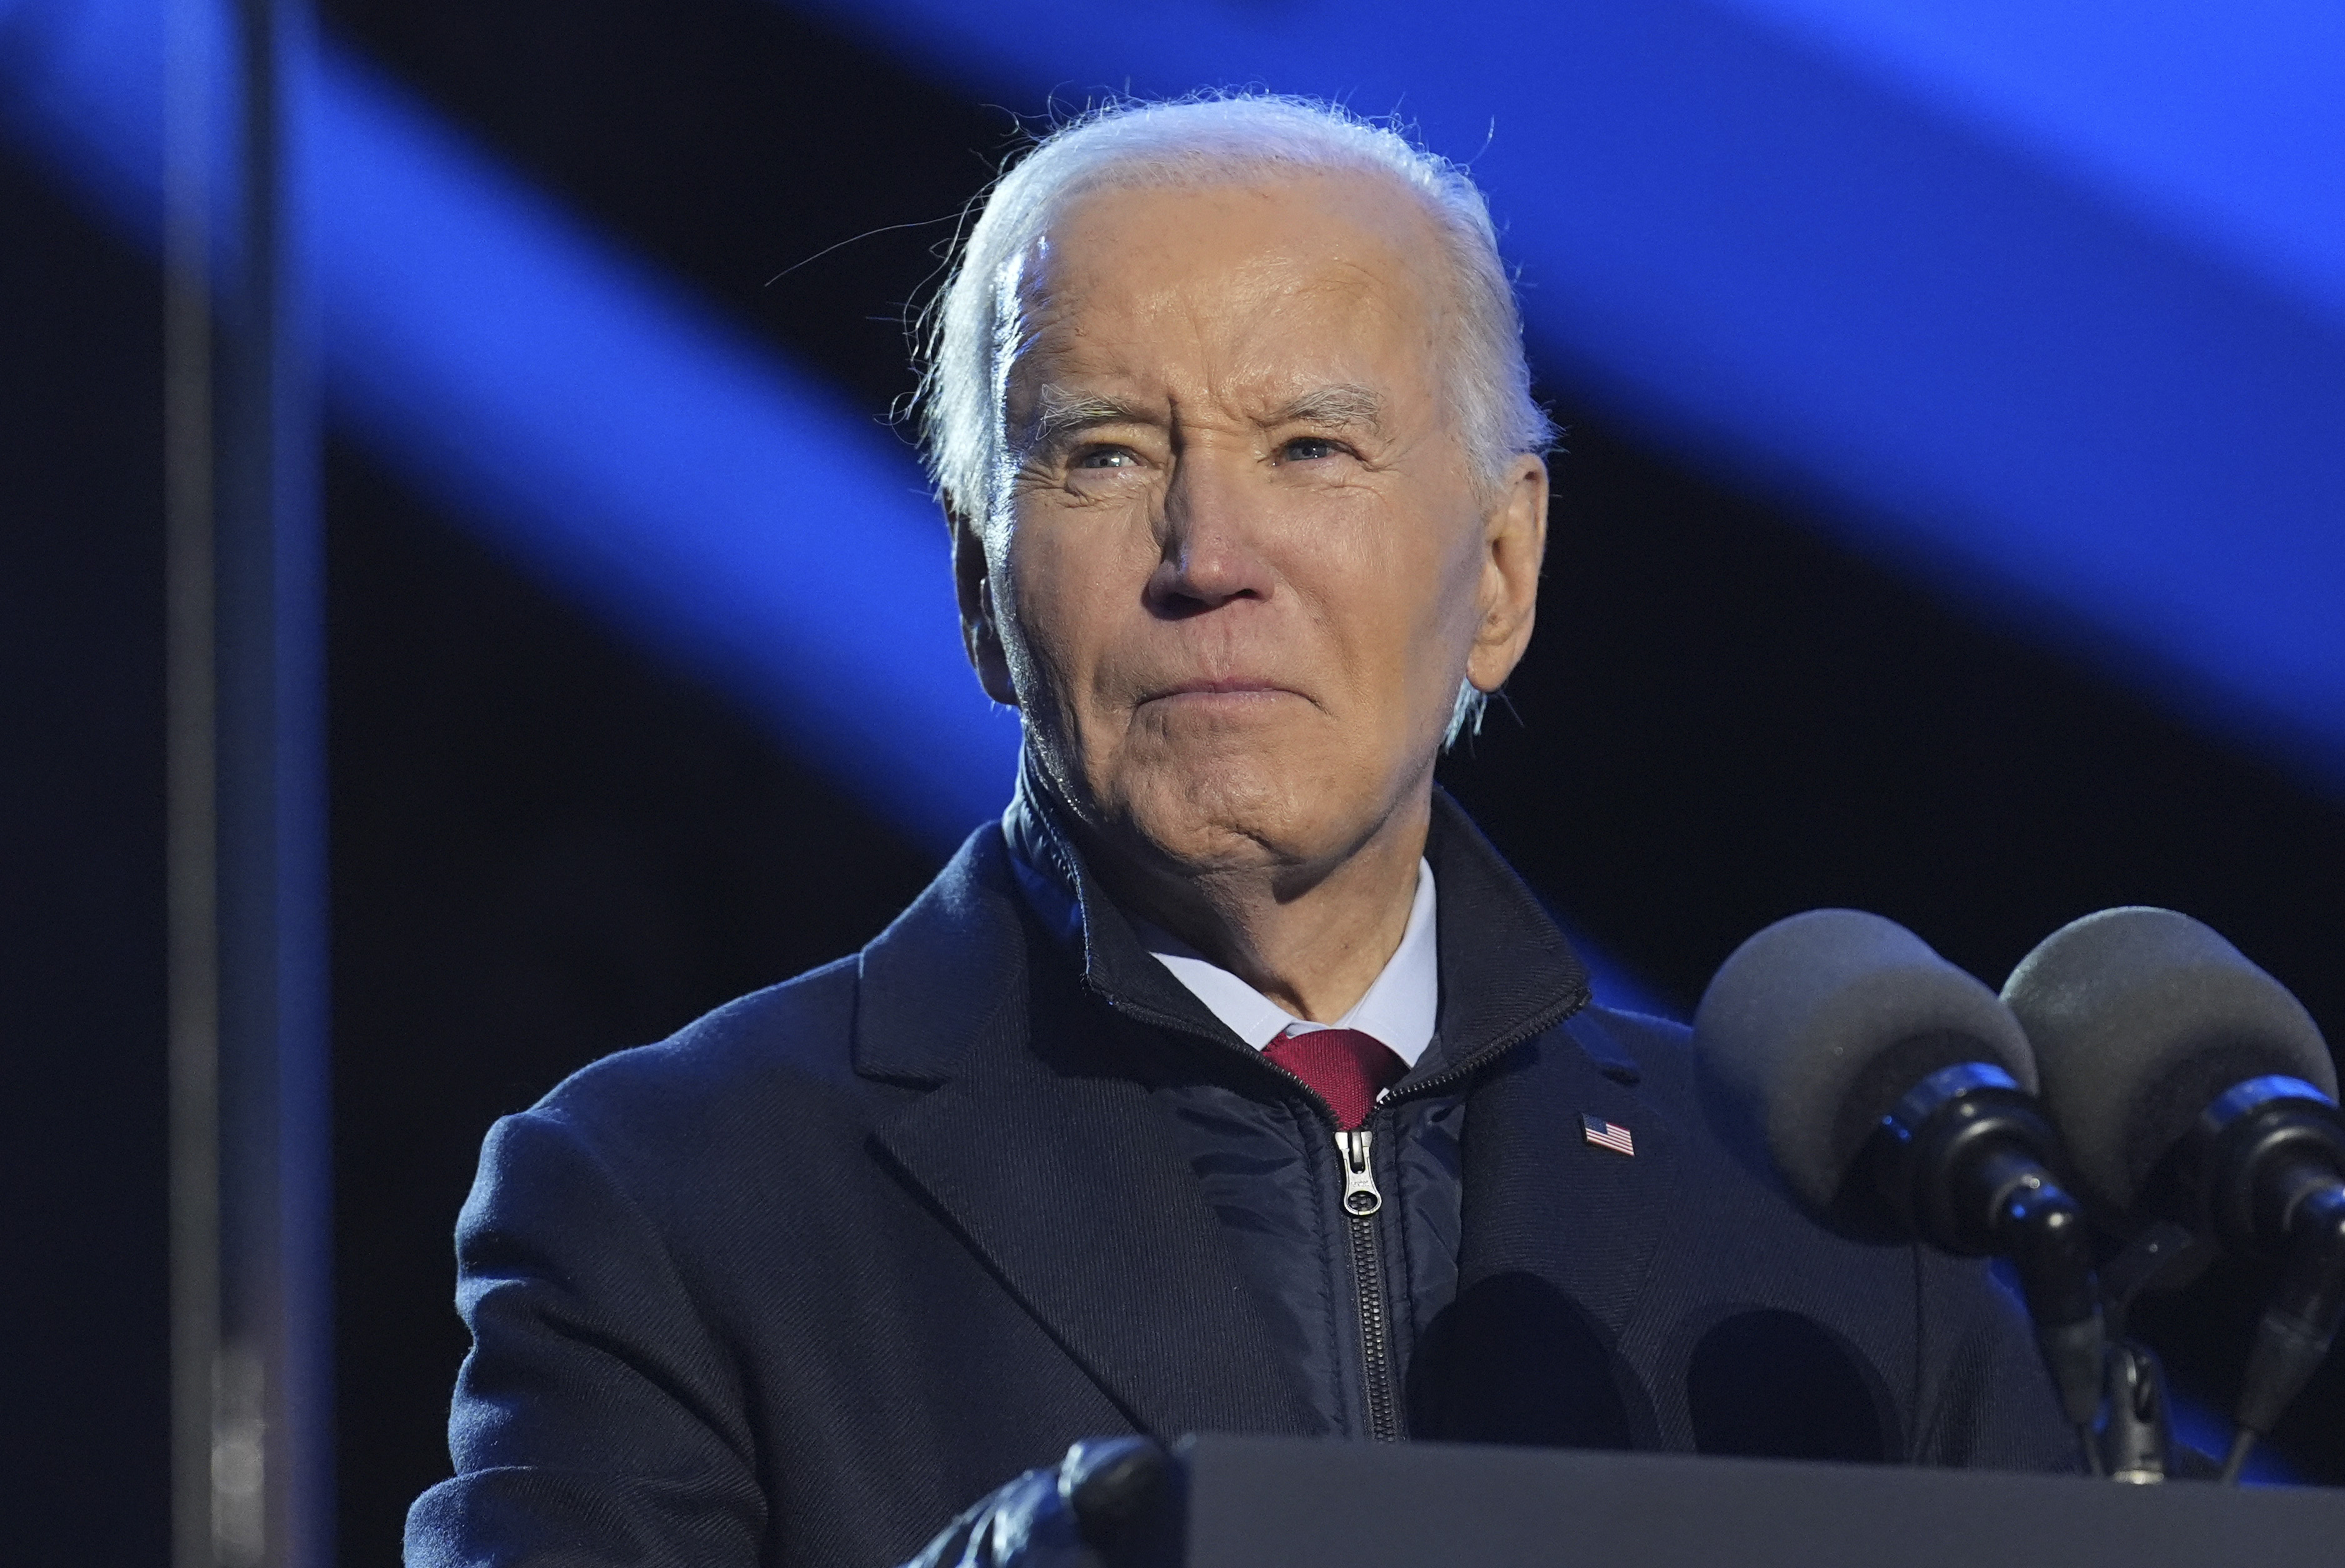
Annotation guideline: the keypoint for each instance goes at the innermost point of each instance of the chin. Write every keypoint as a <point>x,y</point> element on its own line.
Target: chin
<point>1229,813</point>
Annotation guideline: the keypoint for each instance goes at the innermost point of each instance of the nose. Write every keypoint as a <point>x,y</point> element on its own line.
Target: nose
<point>1208,531</point>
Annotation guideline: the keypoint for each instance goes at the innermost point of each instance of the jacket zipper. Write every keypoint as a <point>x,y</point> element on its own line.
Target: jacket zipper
<point>1356,1155</point>
<point>1363,1198</point>
<point>1489,1053</point>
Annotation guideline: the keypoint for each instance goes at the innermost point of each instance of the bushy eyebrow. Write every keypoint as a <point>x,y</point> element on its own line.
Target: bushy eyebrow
<point>1339,408</point>
<point>1060,416</point>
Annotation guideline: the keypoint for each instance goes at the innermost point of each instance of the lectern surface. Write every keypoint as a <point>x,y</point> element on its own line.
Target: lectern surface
<point>1266,1503</point>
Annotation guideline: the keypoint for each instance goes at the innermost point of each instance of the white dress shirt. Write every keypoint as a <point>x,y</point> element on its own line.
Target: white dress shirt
<point>1399,1008</point>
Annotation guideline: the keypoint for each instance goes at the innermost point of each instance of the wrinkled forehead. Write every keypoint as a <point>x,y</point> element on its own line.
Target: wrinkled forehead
<point>1254,277</point>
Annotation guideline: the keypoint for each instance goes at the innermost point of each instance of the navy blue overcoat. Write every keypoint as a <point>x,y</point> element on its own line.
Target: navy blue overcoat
<point>799,1284</point>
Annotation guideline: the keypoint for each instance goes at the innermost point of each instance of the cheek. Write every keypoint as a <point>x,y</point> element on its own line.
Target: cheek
<point>1064,575</point>
<point>1450,549</point>
<point>1416,584</point>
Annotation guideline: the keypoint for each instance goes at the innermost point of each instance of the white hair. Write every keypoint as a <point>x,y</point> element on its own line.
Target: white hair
<point>970,325</point>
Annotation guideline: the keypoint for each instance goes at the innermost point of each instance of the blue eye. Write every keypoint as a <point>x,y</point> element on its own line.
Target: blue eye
<point>1309,449</point>
<point>1105,458</point>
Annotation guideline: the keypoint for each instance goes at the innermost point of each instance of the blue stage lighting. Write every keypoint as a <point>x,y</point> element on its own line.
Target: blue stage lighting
<point>1773,232</point>
<point>716,502</point>
<point>593,423</point>
<point>587,418</point>
<point>2222,119</point>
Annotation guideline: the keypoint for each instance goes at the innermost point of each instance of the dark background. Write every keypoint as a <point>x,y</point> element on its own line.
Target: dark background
<point>546,846</point>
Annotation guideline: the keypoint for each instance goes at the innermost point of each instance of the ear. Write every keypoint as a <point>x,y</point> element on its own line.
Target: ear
<point>1514,542</point>
<point>981,633</point>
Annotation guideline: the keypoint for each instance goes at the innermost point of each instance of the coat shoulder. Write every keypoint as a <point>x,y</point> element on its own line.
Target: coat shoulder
<point>773,1058</point>
<point>791,1080</point>
<point>1653,1054</point>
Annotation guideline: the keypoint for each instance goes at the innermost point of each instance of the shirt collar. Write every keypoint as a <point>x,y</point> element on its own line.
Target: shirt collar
<point>1504,969</point>
<point>1400,1008</point>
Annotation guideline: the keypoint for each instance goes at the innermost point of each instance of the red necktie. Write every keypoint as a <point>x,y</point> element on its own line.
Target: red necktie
<point>1345,1067</point>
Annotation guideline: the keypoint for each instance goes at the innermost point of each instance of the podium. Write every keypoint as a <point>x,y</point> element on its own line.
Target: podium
<point>1271,1503</point>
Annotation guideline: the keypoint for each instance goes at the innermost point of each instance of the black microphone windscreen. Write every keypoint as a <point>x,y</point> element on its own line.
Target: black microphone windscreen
<point>1815,1028</point>
<point>2139,1018</point>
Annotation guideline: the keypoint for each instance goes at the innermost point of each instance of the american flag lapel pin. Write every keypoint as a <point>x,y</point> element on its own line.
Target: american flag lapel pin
<point>1609,1135</point>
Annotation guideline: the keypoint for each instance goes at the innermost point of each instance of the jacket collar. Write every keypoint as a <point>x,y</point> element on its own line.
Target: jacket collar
<point>1013,894</point>
<point>1070,903</point>
<point>1506,969</point>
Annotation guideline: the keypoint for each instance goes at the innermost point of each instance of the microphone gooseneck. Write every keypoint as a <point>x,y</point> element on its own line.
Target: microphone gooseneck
<point>2189,1085</point>
<point>1887,1084</point>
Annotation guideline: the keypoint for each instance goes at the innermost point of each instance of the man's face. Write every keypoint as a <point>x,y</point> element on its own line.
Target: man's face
<point>1243,562</point>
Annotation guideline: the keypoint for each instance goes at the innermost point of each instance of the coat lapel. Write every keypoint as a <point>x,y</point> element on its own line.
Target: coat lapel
<point>1540,1200</point>
<point>1558,1235</point>
<point>1041,1145</point>
<point>1541,1197</point>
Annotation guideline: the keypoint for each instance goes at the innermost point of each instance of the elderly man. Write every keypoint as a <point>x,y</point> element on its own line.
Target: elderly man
<point>1232,1082</point>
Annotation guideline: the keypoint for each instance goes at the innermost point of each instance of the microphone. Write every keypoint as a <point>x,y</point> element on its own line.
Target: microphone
<point>1890,1088</point>
<point>2190,1085</point>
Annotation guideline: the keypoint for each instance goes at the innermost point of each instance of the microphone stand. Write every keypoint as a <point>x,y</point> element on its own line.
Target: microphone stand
<point>2137,1436</point>
<point>2135,1439</point>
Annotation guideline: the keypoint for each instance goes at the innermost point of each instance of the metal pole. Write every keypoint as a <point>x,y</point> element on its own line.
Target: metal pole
<point>191,827</point>
<point>249,1205</point>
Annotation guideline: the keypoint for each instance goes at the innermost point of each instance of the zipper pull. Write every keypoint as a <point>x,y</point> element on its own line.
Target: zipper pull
<point>1360,1194</point>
